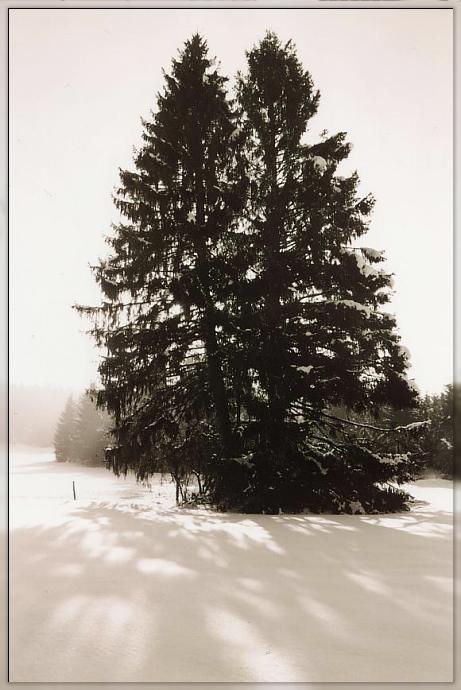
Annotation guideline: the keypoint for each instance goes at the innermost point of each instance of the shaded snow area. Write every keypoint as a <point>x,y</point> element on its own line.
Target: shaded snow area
<point>121,585</point>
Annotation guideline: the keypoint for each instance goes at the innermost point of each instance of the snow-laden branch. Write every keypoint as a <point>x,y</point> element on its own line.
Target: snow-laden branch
<point>408,427</point>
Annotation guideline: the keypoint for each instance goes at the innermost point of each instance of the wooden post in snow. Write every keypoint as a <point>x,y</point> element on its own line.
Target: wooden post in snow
<point>73,489</point>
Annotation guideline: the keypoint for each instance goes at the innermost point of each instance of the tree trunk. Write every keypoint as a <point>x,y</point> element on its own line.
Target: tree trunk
<point>272,233</point>
<point>213,354</point>
<point>217,387</point>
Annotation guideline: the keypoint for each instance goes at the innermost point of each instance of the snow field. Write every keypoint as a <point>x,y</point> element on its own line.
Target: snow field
<point>123,586</point>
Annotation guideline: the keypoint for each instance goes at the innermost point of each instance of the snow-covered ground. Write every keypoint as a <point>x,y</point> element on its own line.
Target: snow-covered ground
<point>121,585</point>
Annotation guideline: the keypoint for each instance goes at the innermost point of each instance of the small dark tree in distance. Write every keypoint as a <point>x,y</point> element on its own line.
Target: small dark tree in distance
<point>92,434</point>
<point>64,437</point>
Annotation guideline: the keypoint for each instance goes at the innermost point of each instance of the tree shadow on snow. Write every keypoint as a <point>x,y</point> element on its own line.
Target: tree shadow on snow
<point>118,596</point>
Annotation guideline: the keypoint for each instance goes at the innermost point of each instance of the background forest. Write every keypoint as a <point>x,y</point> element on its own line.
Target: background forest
<point>432,446</point>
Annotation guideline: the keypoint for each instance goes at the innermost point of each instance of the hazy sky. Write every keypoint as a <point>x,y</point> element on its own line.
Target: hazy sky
<point>81,79</point>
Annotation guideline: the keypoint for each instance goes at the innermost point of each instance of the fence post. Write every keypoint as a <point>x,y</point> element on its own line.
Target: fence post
<point>73,489</point>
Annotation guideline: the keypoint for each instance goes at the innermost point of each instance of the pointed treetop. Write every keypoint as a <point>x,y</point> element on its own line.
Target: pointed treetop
<point>277,87</point>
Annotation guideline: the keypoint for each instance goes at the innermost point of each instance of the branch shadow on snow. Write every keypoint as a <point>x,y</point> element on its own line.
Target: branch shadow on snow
<point>183,595</point>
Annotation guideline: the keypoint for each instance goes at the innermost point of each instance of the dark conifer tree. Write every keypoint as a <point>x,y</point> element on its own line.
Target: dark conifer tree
<point>64,437</point>
<point>165,376</point>
<point>315,332</point>
<point>240,306</point>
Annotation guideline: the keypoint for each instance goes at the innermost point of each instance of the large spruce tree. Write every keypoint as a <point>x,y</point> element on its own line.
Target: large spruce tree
<point>241,308</point>
<point>316,331</point>
<point>165,372</point>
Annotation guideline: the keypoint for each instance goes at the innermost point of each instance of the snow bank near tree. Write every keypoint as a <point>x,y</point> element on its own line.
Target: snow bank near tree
<point>120,586</point>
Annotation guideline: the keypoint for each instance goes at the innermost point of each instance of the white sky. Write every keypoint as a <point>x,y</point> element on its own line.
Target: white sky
<point>81,79</point>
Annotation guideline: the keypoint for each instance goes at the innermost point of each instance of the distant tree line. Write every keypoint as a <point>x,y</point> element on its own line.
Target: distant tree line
<point>437,443</point>
<point>82,432</point>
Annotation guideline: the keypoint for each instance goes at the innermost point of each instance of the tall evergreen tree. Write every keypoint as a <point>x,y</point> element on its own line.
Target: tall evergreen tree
<point>240,307</point>
<point>64,437</point>
<point>317,334</point>
<point>164,376</point>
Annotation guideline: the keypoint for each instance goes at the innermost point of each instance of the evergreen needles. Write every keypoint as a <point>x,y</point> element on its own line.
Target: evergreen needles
<point>239,306</point>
